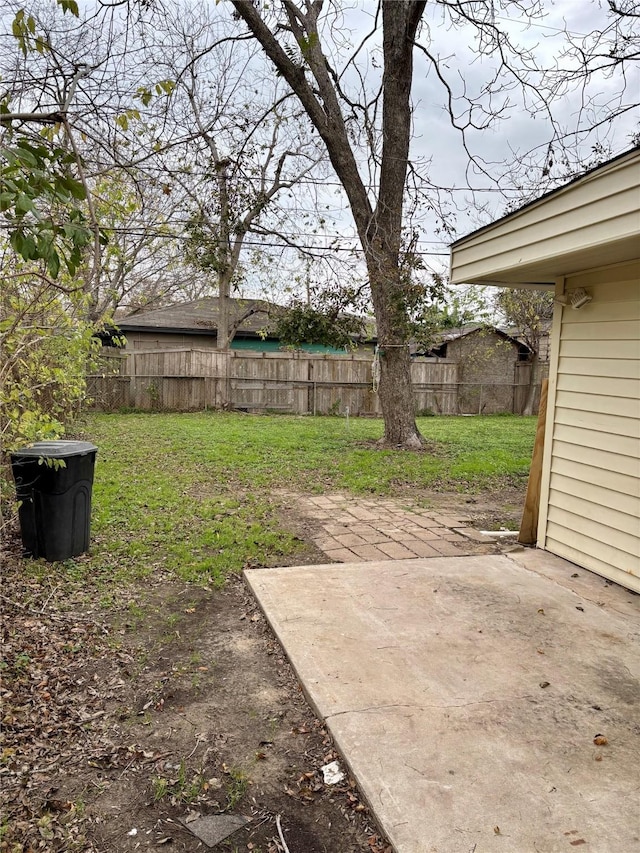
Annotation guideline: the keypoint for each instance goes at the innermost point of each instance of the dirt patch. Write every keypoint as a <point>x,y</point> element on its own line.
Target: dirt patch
<point>429,447</point>
<point>118,725</point>
<point>174,703</point>
<point>487,511</point>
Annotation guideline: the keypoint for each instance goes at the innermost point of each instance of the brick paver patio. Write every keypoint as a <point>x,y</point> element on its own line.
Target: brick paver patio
<point>361,530</point>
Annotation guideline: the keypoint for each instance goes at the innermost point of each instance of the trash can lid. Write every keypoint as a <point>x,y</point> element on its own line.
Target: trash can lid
<point>55,449</point>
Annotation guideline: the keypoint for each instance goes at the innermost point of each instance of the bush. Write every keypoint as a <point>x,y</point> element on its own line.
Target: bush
<point>46,340</point>
<point>45,350</point>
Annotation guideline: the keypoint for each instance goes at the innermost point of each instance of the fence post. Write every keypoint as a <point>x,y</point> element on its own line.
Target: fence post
<point>529,523</point>
<point>226,403</point>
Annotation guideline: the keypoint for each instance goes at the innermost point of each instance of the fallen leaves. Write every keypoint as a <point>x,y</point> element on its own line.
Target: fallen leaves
<point>83,726</point>
<point>53,703</point>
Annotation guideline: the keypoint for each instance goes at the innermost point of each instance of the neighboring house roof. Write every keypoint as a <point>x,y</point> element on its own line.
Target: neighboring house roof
<point>453,334</point>
<point>544,334</point>
<point>447,336</point>
<point>516,332</point>
<point>200,317</point>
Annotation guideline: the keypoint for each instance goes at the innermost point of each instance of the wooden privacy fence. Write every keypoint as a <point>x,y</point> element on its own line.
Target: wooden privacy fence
<point>299,383</point>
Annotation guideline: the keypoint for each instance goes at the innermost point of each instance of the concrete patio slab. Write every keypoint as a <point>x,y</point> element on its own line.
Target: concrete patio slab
<point>465,694</point>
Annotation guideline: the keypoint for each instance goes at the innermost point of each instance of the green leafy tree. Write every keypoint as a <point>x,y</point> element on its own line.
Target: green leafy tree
<point>45,347</point>
<point>39,204</point>
<point>46,341</point>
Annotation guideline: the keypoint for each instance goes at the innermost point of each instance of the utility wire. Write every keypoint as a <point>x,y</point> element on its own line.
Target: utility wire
<point>257,244</point>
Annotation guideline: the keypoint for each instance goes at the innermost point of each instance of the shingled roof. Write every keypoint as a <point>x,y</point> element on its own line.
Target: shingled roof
<point>199,317</point>
<point>462,331</point>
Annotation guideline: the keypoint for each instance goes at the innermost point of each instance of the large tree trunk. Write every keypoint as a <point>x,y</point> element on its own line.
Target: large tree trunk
<point>394,388</point>
<point>379,229</point>
<point>224,334</point>
<point>381,236</point>
<point>396,399</point>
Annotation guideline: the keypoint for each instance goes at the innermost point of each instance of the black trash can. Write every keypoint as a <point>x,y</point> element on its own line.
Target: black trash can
<point>55,508</point>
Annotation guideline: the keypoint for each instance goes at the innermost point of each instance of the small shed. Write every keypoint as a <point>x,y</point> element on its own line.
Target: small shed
<point>582,241</point>
<point>494,369</point>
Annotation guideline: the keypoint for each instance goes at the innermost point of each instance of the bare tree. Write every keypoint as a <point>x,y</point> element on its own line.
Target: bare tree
<point>358,99</point>
<point>247,153</point>
<point>530,311</point>
<point>143,263</point>
<point>57,70</point>
<point>221,156</point>
<point>378,220</point>
<point>175,113</point>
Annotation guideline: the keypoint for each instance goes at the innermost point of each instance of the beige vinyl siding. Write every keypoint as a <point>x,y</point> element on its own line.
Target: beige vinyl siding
<point>590,475</point>
<point>627,445</point>
<point>603,501</point>
<point>586,234</point>
<point>597,511</point>
<point>593,507</point>
<point>608,424</point>
<point>611,386</point>
<point>622,368</point>
<point>607,460</point>
<point>606,349</point>
<point>607,566</point>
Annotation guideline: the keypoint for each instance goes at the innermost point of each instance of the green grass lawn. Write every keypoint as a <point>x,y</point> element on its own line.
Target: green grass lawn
<point>193,493</point>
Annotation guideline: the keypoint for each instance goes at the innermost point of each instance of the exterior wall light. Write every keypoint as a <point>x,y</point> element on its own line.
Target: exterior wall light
<point>575,298</point>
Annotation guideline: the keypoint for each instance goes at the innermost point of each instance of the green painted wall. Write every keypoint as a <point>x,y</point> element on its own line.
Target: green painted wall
<point>274,346</point>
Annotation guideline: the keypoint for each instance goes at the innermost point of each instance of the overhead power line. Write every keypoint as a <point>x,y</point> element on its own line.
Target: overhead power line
<point>258,244</point>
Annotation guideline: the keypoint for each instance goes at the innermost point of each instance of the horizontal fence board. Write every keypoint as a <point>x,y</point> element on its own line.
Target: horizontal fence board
<point>183,379</point>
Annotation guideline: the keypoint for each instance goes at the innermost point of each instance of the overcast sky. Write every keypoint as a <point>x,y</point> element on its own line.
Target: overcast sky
<point>438,146</point>
<point>520,131</point>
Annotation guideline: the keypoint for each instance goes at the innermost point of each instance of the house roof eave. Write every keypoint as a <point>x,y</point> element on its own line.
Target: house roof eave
<point>589,223</point>
<point>546,196</point>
